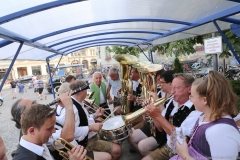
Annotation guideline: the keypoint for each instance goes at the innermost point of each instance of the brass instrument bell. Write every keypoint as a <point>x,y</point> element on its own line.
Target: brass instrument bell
<point>126,61</point>
<point>90,94</point>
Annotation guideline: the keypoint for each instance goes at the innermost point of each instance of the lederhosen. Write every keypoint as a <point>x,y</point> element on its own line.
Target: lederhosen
<point>136,93</point>
<point>176,120</point>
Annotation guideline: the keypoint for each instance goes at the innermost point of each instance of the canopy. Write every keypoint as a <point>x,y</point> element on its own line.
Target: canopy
<point>47,27</point>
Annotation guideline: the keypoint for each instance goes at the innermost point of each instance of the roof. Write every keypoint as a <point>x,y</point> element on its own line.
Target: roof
<point>47,27</point>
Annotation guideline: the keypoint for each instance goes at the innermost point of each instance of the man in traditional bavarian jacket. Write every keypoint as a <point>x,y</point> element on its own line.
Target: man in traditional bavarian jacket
<point>179,113</point>
<point>87,135</point>
<point>100,91</point>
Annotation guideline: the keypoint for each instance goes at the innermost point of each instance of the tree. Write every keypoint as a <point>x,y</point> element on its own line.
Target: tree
<point>123,50</point>
<point>178,48</point>
<point>177,66</point>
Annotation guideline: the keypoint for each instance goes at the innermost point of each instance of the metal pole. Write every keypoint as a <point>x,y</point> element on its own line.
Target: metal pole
<point>215,57</point>
<point>11,65</point>
<point>50,77</point>
<point>56,66</point>
<point>99,54</point>
<point>143,53</point>
<point>226,41</point>
<point>150,52</point>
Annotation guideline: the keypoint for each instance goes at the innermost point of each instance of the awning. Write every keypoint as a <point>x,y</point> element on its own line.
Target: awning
<point>48,27</point>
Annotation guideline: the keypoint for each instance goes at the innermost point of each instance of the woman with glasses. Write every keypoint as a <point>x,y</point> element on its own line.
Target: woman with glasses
<point>215,134</point>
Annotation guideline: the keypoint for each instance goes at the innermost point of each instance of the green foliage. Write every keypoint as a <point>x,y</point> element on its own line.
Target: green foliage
<point>185,46</point>
<point>177,66</point>
<point>123,50</point>
<point>236,86</point>
<point>178,48</point>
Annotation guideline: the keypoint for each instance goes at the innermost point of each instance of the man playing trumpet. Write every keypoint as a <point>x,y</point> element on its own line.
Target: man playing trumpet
<point>37,124</point>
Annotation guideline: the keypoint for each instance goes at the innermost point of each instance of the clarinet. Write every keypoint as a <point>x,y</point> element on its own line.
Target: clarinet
<point>86,86</point>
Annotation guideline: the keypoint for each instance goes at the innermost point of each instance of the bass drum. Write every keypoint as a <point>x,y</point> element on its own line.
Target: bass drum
<point>115,130</point>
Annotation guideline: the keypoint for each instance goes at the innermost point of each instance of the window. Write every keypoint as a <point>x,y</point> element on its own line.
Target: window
<point>36,70</point>
<point>83,53</point>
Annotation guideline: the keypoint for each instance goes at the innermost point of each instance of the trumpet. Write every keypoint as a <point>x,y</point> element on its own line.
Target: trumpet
<point>90,103</point>
<point>65,144</point>
<point>90,94</point>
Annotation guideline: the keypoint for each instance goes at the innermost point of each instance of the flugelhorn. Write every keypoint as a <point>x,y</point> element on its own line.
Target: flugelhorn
<point>65,144</point>
<point>90,103</point>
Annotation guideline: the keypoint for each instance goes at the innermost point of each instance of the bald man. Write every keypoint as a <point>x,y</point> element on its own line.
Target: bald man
<point>3,150</point>
<point>100,91</point>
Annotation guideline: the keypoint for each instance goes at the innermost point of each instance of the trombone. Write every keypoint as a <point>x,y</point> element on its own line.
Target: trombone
<point>90,103</point>
<point>65,144</point>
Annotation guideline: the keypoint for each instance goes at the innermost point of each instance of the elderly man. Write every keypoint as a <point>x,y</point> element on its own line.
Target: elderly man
<point>37,124</point>
<point>114,83</point>
<point>3,150</point>
<point>179,112</point>
<point>100,91</point>
<point>89,136</point>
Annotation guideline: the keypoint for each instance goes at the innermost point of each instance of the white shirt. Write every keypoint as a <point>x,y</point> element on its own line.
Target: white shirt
<point>115,86</point>
<point>61,112</point>
<point>188,123</point>
<point>135,84</point>
<point>83,131</point>
<point>54,136</point>
<point>163,94</point>
<point>223,140</point>
<point>39,150</point>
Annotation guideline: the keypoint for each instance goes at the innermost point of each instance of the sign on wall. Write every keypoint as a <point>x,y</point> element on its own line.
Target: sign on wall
<point>213,45</point>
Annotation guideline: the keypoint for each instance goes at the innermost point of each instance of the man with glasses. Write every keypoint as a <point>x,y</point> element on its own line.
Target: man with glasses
<point>179,112</point>
<point>142,139</point>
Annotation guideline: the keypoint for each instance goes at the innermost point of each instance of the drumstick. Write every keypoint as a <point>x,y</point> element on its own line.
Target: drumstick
<point>109,115</point>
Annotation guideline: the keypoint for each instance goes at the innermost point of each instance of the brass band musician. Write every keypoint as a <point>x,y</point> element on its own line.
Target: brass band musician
<point>88,136</point>
<point>143,139</point>
<point>37,124</point>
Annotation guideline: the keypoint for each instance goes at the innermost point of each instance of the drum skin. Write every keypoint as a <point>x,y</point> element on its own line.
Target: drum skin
<point>115,130</point>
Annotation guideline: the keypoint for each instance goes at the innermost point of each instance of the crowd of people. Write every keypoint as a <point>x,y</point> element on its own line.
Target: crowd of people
<point>204,110</point>
<point>36,83</point>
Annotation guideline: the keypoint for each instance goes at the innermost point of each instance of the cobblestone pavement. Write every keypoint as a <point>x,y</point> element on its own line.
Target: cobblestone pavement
<point>10,133</point>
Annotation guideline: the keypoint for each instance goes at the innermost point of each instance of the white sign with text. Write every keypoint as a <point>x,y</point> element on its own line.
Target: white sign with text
<point>213,45</point>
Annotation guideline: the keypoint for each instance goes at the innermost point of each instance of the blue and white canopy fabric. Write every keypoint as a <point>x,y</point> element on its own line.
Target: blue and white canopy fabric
<point>47,27</point>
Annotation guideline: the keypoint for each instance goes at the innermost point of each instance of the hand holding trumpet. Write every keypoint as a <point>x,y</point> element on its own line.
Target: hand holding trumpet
<point>77,153</point>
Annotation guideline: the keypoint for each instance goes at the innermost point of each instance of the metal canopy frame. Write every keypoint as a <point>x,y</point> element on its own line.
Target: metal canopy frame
<point>130,36</point>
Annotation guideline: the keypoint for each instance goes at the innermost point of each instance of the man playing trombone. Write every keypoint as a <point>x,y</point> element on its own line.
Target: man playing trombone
<point>89,133</point>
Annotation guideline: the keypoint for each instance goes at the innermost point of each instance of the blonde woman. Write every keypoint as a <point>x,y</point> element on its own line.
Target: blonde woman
<point>215,133</point>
